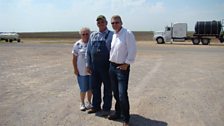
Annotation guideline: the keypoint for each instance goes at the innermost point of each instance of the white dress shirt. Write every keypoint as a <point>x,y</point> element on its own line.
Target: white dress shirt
<point>123,47</point>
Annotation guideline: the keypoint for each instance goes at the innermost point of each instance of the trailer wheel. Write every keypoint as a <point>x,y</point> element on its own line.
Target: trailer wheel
<point>18,40</point>
<point>6,40</point>
<point>195,41</point>
<point>221,39</point>
<point>160,40</point>
<point>205,41</point>
<point>10,40</point>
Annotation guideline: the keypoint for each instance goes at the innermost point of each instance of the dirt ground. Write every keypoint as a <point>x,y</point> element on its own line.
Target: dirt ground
<point>177,84</point>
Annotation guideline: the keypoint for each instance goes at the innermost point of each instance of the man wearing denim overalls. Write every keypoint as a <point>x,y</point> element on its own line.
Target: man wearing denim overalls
<point>97,54</point>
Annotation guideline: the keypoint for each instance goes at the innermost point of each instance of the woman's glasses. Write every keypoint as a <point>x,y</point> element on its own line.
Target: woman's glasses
<point>85,34</point>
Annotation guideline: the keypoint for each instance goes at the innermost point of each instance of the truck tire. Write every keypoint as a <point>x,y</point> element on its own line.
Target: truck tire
<point>160,40</point>
<point>18,40</point>
<point>10,40</point>
<point>221,39</point>
<point>195,41</point>
<point>6,40</point>
<point>205,41</point>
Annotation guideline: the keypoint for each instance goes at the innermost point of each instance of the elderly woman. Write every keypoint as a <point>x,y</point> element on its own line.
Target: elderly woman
<point>79,65</point>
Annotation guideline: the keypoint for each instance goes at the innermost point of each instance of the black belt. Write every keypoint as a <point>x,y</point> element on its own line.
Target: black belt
<point>116,64</point>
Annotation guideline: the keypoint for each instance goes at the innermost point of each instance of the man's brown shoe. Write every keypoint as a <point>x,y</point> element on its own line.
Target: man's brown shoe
<point>93,111</point>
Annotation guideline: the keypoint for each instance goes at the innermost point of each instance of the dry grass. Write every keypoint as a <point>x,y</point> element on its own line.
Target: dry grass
<point>140,36</point>
<point>71,37</point>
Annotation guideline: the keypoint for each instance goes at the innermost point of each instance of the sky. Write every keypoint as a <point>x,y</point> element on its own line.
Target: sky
<point>72,15</point>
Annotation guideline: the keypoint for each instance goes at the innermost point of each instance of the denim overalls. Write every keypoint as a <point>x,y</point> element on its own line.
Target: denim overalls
<point>98,54</point>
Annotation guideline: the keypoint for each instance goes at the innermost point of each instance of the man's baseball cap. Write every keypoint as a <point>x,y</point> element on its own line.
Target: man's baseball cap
<point>100,17</point>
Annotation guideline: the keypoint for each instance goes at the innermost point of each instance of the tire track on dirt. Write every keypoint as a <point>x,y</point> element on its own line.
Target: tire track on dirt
<point>146,76</point>
<point>140,92</point>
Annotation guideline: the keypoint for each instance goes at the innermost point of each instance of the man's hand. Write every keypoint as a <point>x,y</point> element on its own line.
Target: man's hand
<point>123,66</point>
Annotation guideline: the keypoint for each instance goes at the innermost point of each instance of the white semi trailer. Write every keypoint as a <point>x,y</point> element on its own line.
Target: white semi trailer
<point>204,31</point>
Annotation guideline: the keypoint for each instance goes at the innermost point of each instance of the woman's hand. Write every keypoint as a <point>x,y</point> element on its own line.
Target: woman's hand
<point>76,72</point>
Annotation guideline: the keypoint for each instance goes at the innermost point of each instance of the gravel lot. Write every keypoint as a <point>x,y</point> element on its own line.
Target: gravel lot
<point>170,85</point>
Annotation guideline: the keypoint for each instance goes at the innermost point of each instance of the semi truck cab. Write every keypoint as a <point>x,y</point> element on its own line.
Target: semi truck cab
<point>177,32</point>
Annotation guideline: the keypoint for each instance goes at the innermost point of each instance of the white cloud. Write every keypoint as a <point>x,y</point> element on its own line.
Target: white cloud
<point>137,14</point>
<point>157,8</point>
<point>137,6</point>
<point>51,15</point>
<point>134,2</point>
<point>24,3</point>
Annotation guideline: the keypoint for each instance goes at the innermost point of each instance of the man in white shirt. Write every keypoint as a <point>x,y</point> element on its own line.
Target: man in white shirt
<point>122,54</point>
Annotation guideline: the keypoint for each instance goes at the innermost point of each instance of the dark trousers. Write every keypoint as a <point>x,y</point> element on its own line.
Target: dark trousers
<point>101,75</point>
<point>119,82</point>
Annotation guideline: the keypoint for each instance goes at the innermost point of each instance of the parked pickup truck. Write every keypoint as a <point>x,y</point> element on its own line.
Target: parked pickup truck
<point>9,36</point>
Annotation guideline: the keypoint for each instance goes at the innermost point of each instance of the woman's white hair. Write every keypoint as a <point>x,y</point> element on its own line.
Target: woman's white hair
<point>84,29</point>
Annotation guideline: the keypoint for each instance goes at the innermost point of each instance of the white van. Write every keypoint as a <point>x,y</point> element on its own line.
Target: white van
<point>9,36</point>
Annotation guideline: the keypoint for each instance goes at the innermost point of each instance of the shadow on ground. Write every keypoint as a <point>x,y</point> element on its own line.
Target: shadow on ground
<point>190,44</point>
<point>137,120</point>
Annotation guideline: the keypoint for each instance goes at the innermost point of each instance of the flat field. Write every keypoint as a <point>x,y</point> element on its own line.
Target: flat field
<point>177,84</point>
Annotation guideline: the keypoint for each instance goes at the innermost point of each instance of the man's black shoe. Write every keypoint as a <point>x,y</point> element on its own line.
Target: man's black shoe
<point>93,111</point>
<point>114,117</point>
<point>103,113</point>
